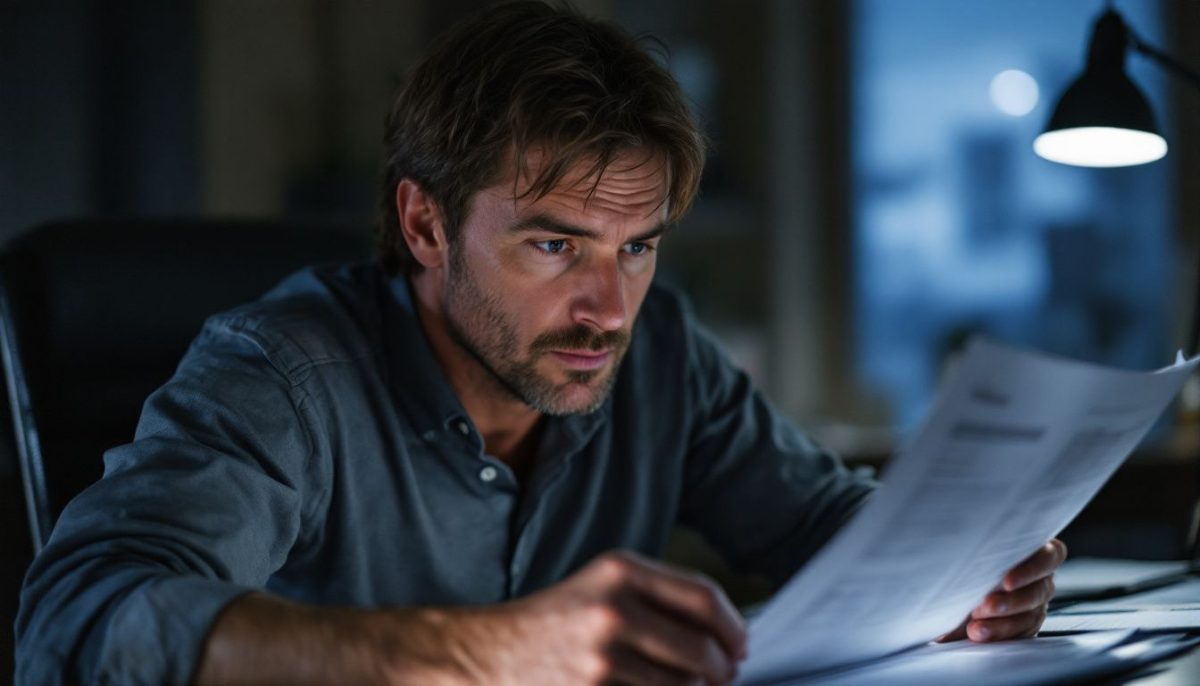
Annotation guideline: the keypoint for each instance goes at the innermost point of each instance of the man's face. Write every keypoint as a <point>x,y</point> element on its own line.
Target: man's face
<point>544,293</point>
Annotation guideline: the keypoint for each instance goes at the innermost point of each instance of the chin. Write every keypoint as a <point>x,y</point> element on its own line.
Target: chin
<point>575,397</point>
<point>580,403</point>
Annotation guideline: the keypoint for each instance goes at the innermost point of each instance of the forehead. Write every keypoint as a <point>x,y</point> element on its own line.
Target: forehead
<point>633,187</point>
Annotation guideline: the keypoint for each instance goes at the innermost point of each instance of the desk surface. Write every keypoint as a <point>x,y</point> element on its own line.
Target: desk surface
<point>1181,671</point>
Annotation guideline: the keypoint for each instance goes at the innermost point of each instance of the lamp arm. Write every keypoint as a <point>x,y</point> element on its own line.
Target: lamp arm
<point>1164,60</point>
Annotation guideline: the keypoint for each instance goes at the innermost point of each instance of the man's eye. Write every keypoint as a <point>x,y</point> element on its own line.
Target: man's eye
<point>638,249</point>
<point>551,247</point>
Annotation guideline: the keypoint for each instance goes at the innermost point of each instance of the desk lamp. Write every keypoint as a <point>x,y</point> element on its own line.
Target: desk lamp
<point>1104,120</point>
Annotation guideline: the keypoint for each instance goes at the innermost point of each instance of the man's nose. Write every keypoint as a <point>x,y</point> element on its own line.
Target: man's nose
<point>601,301</point>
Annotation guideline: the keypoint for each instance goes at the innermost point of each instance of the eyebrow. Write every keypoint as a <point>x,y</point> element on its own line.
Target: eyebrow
<point>541,222</point>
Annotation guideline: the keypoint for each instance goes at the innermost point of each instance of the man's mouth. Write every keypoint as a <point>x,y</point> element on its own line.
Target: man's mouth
<point>583,359</point>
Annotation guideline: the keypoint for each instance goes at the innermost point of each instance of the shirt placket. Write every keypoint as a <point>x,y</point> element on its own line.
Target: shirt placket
<point>493,478</point>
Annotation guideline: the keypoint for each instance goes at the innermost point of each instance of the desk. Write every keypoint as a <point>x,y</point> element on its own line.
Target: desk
<point>1181,671</point>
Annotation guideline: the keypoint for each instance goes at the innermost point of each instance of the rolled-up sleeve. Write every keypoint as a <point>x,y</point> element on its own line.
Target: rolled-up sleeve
<point>759,489</point>
<point>207,502</point>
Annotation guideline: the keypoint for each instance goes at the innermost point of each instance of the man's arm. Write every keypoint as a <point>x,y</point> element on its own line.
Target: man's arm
<point>209,500</point>
<point>621,618</point>
<point>760,491</point>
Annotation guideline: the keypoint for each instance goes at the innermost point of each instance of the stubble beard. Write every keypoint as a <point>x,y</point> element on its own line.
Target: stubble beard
<point>476,322</point>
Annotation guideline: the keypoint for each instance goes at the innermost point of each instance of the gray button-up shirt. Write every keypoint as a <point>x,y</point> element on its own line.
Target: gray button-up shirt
<point>310,444</point>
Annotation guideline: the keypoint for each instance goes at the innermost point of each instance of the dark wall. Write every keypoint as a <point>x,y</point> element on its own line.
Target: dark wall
<point>99,110</point>
<point>98,116</point>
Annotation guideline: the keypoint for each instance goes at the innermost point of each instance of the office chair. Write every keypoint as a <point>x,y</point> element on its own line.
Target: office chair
<point>94,315</point>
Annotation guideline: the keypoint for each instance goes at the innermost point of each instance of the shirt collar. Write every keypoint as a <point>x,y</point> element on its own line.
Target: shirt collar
<point>415,375</point>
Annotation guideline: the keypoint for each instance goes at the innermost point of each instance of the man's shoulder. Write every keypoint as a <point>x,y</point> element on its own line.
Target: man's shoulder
<point>672,340</point>
<point>319,315</point>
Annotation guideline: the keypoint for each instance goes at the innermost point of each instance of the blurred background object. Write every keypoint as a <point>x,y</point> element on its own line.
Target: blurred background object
<point>871,200</point>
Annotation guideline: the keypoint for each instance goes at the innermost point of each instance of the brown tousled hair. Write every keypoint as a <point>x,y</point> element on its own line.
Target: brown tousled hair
<point>520,75</point>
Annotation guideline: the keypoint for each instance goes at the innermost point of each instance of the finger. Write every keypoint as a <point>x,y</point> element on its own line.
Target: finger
<point>672,642</point>
<point>1024,625</point>
<point>693,596</point>
<point>1009,603</point>
<point>1037,566</point>
<point>627,667</point>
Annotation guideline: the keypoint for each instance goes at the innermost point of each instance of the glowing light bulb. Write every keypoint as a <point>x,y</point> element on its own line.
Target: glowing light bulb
<point>1100,146</point>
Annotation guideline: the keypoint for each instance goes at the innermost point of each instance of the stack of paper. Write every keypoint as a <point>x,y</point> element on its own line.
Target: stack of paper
<point>1068,659</point>
<point>1173,608</point>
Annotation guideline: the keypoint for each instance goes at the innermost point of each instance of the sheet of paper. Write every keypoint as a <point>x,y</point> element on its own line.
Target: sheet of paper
<point>1162,619</point>
<point>1090,576</point>
<point>1063,659</point>
<point>1016,445</point>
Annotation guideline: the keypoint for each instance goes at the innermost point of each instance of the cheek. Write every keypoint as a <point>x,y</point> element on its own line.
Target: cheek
<point>532,311</point>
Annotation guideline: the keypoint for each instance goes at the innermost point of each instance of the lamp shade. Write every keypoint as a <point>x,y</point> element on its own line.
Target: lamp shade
<point>1103,119</point>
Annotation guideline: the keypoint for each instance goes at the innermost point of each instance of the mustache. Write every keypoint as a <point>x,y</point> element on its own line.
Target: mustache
<point>580,338</point>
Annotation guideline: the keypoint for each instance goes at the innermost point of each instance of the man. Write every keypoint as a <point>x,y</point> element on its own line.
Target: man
<point>457,465</point>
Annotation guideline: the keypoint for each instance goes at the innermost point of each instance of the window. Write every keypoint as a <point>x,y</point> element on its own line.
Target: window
<point>960,228</point>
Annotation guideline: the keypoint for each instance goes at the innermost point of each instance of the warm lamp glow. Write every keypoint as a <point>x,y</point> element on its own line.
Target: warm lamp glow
<point>1100,146</point>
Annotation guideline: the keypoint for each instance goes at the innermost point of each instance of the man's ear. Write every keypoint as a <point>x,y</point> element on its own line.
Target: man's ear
<point>421,224</point>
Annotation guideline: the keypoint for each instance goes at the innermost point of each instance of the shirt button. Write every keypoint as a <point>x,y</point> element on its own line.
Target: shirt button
<point>488,474</point>
<point>462,427</point>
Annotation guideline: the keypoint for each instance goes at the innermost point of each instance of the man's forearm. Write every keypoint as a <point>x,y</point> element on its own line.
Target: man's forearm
<point>620,618</point>
<point>264,639</point>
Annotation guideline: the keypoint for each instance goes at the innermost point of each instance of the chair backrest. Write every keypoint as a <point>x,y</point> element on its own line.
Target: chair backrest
<point>94,315</point>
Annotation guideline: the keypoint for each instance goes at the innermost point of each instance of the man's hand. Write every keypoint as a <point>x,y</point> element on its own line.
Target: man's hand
<point>1017,608</point>
<point>620,619</point>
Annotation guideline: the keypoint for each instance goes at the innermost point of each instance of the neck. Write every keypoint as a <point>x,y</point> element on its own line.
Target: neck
<point>509,427</point>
